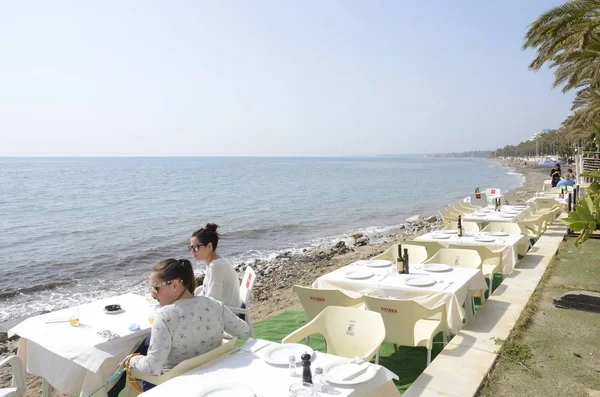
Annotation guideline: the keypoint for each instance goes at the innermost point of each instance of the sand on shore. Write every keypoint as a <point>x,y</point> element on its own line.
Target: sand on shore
<point>273,291</point>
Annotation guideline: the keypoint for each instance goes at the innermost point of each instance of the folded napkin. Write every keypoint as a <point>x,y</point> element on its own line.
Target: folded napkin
<point>349,371</point>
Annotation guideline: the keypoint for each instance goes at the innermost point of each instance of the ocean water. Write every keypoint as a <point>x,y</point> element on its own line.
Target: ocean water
<point>76,229</point>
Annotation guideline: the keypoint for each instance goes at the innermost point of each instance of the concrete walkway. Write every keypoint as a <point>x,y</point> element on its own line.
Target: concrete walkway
<point>459,370</point>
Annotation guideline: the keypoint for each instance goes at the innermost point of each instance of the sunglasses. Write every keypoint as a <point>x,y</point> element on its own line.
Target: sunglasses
<point>155,287</point>
<point>195,248</point>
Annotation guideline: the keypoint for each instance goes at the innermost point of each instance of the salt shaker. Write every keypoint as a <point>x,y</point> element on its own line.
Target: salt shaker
<point>318,385</point>
<point>306,374</point>
<point>292,365</point>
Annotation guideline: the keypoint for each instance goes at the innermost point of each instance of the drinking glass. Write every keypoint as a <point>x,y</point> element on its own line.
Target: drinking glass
<point>74,317</point>
<point>152,314</point>
<point>302,390</point>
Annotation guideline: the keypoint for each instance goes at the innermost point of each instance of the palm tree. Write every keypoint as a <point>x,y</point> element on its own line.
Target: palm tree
<point>565,28</point>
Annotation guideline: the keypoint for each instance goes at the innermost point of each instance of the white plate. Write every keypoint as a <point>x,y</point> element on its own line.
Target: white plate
<point>378,263</point>
<point>480,215</point>
<point>449,231</point>
<point>227,390</point>
<point>507,216</point>
<point>485,239</point>
<point>279,354</point>
<point>330,373</point>
<point>499,234</point>
<point>512,212</point>
<point>440,236</point>
<point>419,281</point>
<point>359,274</point>
<point>437,268</point>
<point>486,211</point>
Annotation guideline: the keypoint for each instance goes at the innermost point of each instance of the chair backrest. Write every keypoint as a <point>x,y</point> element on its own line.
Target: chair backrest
<point>460,209</point>
<point>416,253</point>
<point>431,246</point>
<point>400,317</point>
<point>467,226</point>
<point>457,257</point>
<point>484,252</point>
<point>506,227</point>
<point>350,332</point>
<point>468,206</point>
<point>493,191</point>
<point>18,379</point>
<point>544,203</point>
<point>246,286</point>
<point>315,300</point>
<point>479,199</point>
<point>187,365</point>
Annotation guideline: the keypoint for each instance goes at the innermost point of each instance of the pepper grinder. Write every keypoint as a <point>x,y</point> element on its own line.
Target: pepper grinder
<point>306,374</point>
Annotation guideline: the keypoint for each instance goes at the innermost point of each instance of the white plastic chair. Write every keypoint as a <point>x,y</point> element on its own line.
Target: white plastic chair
<point>315,300</point>
<point>179,369</point>
<point>246,287</point>
<point>416,253</point>
<point>408,323</point>
<point>510,228</point>
<point>479,199</point>
<point>457,257</point>
<point>467,226</point>
<point>17,388</point>
<point>492,191</point>
<point>491,260</point>
<point>448,215</point>
<point>348,332</point>
<point>459,209</point>
<point>431,246</point>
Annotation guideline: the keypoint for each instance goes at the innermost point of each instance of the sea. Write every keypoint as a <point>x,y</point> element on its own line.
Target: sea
<point>77,229</point>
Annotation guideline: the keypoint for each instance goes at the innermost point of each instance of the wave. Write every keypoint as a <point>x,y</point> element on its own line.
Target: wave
<point>514,173</point>
<point>10,292</point>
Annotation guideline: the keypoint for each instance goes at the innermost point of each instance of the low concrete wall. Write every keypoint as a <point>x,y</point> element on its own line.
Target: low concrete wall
<point>461,367</point>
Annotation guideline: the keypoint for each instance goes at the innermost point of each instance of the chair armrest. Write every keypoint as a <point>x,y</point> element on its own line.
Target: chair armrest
<point>299,334</point>
<point>18,371</point>
<point>238,310</point>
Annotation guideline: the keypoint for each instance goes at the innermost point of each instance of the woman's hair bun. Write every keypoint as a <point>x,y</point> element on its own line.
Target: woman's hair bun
<point>211,227</point>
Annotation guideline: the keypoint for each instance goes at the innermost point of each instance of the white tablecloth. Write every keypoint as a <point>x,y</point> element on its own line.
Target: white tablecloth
<point>487,214</point>
<point>453,290</point>
<point>264,379</point>
<point>510,245</point>
<point>76,360</point>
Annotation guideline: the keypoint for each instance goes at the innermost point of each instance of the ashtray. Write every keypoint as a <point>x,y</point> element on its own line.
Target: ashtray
<point>113,309</point>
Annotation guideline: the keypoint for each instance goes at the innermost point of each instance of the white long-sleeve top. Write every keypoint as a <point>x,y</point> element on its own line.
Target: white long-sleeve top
<point>222,283</point>
<point>185,329</point>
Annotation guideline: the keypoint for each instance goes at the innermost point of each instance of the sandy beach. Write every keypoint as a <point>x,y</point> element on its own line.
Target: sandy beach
<point>273,290</point>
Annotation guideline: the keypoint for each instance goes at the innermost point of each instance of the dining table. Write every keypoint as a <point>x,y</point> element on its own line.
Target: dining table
<point>429,285</point>
<point>79,360</point>
<point>511,245</point>
<point>506,213</point>
<point>260,368</point>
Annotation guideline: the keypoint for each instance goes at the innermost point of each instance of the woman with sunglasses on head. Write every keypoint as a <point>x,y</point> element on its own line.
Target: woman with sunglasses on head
<point>221,281</point>
<point>186,325</point>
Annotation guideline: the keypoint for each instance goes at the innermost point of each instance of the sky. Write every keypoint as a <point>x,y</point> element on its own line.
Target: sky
<point>269,78</point>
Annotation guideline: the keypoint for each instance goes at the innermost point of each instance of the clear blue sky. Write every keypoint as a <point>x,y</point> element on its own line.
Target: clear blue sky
<point>269,77</point>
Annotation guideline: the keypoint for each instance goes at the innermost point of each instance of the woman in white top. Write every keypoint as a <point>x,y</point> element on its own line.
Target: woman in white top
<point>186,325</point>
<point>221,281</point>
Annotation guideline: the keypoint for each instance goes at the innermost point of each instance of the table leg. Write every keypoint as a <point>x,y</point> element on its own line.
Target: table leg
<point>46,388</point>
<point>469,307</point>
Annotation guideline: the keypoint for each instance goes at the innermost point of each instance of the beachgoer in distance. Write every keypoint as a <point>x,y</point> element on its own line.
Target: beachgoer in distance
<point>186,325</point>
<point>570,175</point>
<point>568,179</point>
<point>221,281</point>
<point>555,174</point>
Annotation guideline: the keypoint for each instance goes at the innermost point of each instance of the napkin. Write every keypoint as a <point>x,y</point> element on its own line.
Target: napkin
<point>349,371</point>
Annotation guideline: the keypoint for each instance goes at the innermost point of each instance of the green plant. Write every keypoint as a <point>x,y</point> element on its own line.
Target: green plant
<point>585,219</point>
